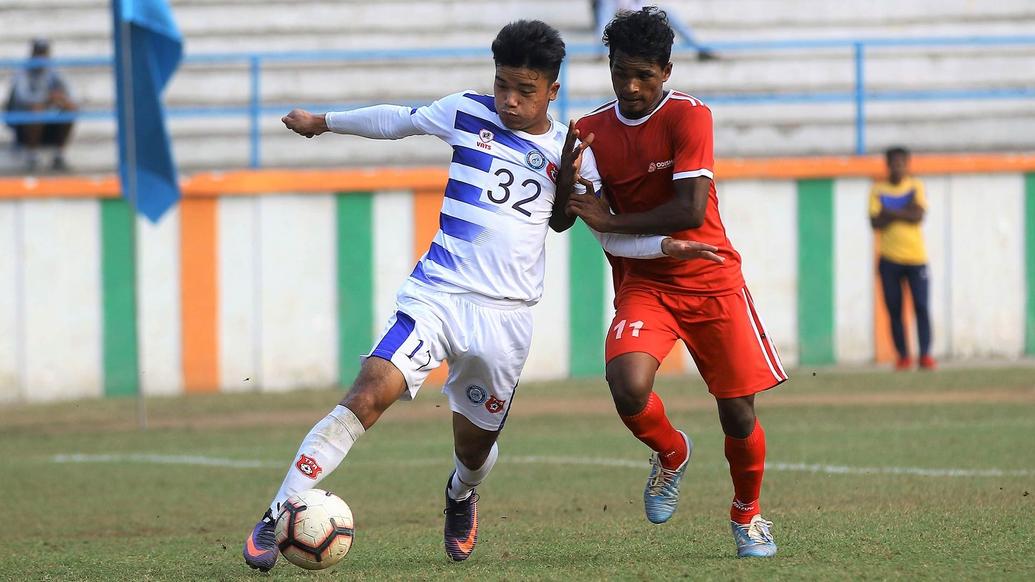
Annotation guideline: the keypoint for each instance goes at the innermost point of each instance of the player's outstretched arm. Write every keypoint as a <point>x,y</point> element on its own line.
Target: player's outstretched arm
<point>685,211</point>
<point>633,246</point>
<point>646,246</point>
<point>377,122</point>
<point>304,123</point>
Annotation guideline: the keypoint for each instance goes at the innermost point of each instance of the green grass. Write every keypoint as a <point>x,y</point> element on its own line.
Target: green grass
<point>137,521</point>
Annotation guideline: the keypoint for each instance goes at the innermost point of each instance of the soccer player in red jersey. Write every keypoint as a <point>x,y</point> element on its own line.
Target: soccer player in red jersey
<point>654,152</point>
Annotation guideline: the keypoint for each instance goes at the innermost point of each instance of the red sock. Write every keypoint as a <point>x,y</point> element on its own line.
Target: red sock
<point>651,426</point>
<point>747,464</point>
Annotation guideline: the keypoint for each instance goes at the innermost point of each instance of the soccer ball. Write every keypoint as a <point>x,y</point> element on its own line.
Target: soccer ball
<point>314,529</point>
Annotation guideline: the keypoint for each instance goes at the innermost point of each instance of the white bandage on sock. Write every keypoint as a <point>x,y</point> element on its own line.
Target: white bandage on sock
<point>320,453</point>
<point>465,479</point>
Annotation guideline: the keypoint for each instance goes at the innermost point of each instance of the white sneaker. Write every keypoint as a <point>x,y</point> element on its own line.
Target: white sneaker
<point>754,540</point>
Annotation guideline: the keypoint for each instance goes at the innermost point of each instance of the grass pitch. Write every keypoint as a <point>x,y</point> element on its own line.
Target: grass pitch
<point>872,475</point>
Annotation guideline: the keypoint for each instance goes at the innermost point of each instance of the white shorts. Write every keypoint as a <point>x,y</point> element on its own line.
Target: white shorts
<point>485,342</point>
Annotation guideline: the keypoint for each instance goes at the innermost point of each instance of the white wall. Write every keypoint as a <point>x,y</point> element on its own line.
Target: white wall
<point>158,305</point>
<point>10,300</point>
<point>62,299</point>
<point>853,272</point>
<point>987,265</point>
<point>762,223</point>
<point>299,334</point>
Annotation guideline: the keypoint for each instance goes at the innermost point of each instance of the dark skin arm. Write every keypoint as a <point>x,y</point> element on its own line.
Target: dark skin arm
<point>567,173</point>
<point>912,213</point>
<point>683,212</point>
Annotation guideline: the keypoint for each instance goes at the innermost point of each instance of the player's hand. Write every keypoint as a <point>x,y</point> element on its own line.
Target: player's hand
<point>592,209</point>
<point>304,123</point>
<point>571,157</point>
<point>689,250</point>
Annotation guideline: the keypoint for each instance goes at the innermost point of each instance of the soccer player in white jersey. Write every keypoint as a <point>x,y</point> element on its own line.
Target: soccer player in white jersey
<point>467,301</point>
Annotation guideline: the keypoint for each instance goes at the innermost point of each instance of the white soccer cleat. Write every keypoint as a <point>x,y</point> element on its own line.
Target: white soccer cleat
<point>754,540</point>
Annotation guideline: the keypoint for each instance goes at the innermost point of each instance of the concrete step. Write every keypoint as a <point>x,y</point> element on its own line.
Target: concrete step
<point>418,82</point>
<point>740,131</point>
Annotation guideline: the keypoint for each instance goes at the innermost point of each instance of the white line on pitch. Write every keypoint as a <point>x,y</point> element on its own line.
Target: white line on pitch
<point>917,471</point>
<point>156,459</point>
<point>149,459</point>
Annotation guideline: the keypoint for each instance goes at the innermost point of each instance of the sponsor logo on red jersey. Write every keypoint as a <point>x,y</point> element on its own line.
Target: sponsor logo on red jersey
<point>654,166</point>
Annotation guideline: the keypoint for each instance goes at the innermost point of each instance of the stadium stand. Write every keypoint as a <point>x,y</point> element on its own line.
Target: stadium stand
<point>82,28</point>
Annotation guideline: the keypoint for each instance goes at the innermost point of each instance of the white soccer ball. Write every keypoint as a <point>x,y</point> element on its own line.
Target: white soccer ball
<point>314,529</point>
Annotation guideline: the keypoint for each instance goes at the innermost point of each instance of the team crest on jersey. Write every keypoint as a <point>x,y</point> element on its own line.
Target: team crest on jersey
<point>308,466</point>
<point>495,405</point>
<point>477,394</point>
<point>654,166</point>
<point>535,160</point>
<point>551,171</point>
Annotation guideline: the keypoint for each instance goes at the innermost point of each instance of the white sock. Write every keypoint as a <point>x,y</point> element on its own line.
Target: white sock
<point>465,480</point>
<point>320,453</point>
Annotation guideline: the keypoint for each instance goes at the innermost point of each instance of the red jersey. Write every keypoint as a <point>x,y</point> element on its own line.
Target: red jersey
<point>638,160</point>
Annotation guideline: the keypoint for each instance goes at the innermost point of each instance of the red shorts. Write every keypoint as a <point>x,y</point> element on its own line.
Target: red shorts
<point>724,334</point>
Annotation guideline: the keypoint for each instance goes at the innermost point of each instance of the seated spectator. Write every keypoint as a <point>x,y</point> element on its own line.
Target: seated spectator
<point>604,11</point>
<point>38,88</point>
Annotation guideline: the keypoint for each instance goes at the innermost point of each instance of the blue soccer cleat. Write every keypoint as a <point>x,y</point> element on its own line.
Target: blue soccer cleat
<point>661,496</point>
<point>260,549</point>
<point>754,540</point>
<point>461,531</point>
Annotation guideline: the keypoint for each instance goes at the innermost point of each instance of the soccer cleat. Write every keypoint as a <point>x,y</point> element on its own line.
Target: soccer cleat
<point>461,531</point>
<point>928,363</point>
<point>904,364</point>
<point>260,549</point>
<point>754,540</point>
<point>661,495</point>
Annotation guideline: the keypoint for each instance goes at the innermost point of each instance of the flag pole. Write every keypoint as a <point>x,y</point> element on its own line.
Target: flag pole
<point>129,134</point>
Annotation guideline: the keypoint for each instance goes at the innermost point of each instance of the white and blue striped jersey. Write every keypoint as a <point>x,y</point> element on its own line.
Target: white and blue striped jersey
<point>498,200</point>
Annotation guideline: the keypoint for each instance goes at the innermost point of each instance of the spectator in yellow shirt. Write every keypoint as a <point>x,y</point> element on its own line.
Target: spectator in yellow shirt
<point>897,207</point>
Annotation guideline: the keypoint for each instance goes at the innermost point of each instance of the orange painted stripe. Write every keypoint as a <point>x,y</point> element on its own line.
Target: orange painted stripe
<point>868,166</point>
<point>426,206</point>
<point>249,182</point>
<point>199,305</point>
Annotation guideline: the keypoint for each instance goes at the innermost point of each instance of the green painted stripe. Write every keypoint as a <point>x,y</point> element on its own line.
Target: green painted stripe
<point>355,281</point>
<point>1029,225</point>
<point>118,273</point>
<point>585,303</point>
<point>816,271</point>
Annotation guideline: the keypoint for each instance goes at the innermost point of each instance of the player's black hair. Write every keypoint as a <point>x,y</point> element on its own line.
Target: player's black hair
<point>644,34</point>
<point>532,44</point>
<point>896,151</point>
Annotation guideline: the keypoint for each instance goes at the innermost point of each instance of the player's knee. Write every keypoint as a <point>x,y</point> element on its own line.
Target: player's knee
<point>737,416</point>
<point>472,454</point>
<point>630,391</point>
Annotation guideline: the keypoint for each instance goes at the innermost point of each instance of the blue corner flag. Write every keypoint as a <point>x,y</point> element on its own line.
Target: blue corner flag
<point>148,48</point>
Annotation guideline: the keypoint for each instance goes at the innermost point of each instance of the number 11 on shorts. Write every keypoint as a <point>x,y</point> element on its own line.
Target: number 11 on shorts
<point>619,328</point>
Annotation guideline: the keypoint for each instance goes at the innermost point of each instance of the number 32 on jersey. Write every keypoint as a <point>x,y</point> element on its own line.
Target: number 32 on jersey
<point>517,189</point>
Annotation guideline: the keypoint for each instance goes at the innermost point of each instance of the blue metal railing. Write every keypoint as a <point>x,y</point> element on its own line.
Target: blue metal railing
<point>859,96</point>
